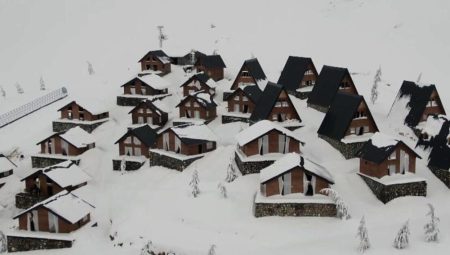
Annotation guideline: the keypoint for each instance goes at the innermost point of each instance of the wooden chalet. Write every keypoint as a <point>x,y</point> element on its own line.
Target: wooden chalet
<point>60,213</point>
<point>137,141</point>
<point>331,80</point>
<point>212,65</point>
<point>294,174</point>
<point>187,139</point>
<point>6,167</point>
<point>149,112</point>
<point>262,143</point>
<point>251,73</point>
<point>274,104</point>
<point>348,124</point>
<point>243,99</point>
<point>419,102</point>
<point>148,85</point>
<point>199,105</point>
<point>88,111</point>
<point>199,82</point>
<point>156,61</point>
<point>188,59</point>
<point>72,142</point>
<point>299,76</point>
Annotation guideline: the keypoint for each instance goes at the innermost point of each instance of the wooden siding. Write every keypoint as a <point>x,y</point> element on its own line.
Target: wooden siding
<point>75,111</point>
<point>144,113</point>
<point>190,106</point>
<point>251,148</point>
<point>241,78</point>
<point>185,149</point>
<point>283,109</point>
<point>134,145</point>
<point>140,88</point>
<point>195,86</point>
<point>57,141</point>
<point>362,118</point>
<point>240,100</point>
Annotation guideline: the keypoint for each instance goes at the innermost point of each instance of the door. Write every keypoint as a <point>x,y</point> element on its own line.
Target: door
<point>281,143</point>
<point>245,108</point>
<point>53,226</point>
<point>33,221</point>
<point>200,148</point>
<point>177,145</point>
<point>308,184</point>
<point>137,151</point>
<point>150,120</point>
<point>197,114</point>
<point>236,107</point>
<point>65,147</point>
<point>166,141</point>
<point>132,90</point>
<point>404,162</point>
<point>391,169</point>
<point>187,114</point>
<point>140,120</point>
<point>263,144</point>
<point>287,183</point>
<point>143,91</point>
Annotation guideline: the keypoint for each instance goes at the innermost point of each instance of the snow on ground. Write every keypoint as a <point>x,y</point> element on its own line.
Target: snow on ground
<point>55,39</point>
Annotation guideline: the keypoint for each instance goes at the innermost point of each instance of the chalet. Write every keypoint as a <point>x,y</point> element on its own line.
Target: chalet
<point>156,61</point>
<point>241,103</point>
<point>149,112</point>
<point>294,182</point>
<point>416,102</point>
<point>299,76</point>
<point>212,65</point>
<point>330,81</point>
<point>44,183</point>
<point>261,144</point>
<point>60,213</point>
<point>62,146</point>
<point>187,60</point>
<point>199,82</point>
<point>275,104</point>
<point>179,146</point>
<point>6,166</point>
<point>251,73</point>
<point>143,87</point>
<point>137,141</point>
<point>435,140</point>
<point>199,105</point>
<point>388,161</point>
<point>87,114</point>
<point>348,124</point>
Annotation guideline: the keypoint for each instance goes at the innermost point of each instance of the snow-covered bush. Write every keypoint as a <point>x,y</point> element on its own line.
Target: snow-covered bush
<point>374,91</point>
<point>123,165</point>
<point>231,172</point>
<point>194,184</point>
<point>212,250</point>
<point>90,68</point>
<point>42,83</point>
<point>342,209</point>
<point>401,241</point>
<point>2,242</point>
<point>2,92</point>
<point>432,228</point>
<point>19,88</point>
<point>222,189</point>
<point>363,236</point>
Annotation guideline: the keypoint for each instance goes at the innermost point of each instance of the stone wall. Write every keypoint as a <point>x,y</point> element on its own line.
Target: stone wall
<point>442,174</point>
<point>157,159</point>
<point>229,119</point>
<point>319,108</point>
<point>253,167</point>
<point>129,101</point>
<point>130,165</point>
<point>16,243</point>
<point>348,150</point>
<point>26,200</point>
<point>386,193</point>
<point>295,209</point>
<point>42,161</point>
<point>63,126</point>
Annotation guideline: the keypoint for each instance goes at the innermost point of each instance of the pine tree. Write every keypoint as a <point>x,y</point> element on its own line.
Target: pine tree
<point>42,83</point>
<point>223,190</point>
<point>19,88</point>
<point>341,207</point>
<point>432,228</point>
<point>123,165</point>
<point>2,92</point>
<point>147,249</point>
<point>90,68</point>
<point>212,250</point>
<point>2,242</point>
<point>401,241</point>
<point>194,184</point>
<point>376,81</point>
<point>231,172</point>
<point>363,236</point>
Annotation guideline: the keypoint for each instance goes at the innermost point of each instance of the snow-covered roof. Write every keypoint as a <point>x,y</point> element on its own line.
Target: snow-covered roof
<point>66,205</point>
<point>382,140</point>
<point>290,161</point>
<point>92,105</point>
<point>78,137</point>
<point>5,163</point>
<point>65,174</point>
<point>260,128</point>
<point>433,125</point>
<point>154,81</point>
<point>197,132</point>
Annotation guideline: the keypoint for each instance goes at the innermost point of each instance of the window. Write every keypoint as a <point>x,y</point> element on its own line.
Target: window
<point>196,104</point>
<point>245,74</point>
<point>128,139</point>
<point>392,156</point>
<point>136,141</point>
<point>209,145</point>
<point>278,104</point>
<point>141,110</point>
<point>352,130</point>
<point>284,104</point>
<point>244,98</point>
<point>309,72</point>
<point>236,98</point>
<point>366,129</point>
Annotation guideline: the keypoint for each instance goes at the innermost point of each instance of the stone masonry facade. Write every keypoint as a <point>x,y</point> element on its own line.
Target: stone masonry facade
<point>59,126</point>
<point>348,150</point>
<point>252,167</point>
<point>157,159</point>
<point>229,119</point>
<point>129,101</point>
<point>26,200</point>
<point>42,161</point>
<point>386,193</point>
<point>17,243</point>
<point>295,209</point>
<point>129,165</point>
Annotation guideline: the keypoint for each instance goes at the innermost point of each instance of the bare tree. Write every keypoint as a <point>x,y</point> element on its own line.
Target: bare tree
<point>401,241</point>
<point>363,236</point>
<point>432,228</point>
<point>231,172</point>
<point>223,190</point>
<point>194,184</point>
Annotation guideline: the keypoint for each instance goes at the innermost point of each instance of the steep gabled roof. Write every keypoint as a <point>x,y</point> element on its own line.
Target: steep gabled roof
<point>211,61</point>
<point>293,72</point>
<point>193,133</point>
<point>203,78</point>
<point>145,134</point>
<point>148,104</point>
<point>64,204</point>
<point>290,161</point>
<point>418,99</point>
<point>159,54</point>
<point>150,80</point>
<point>203,98</point>
<point>379,147</point>
<point>252,92</point>
<point>92,105</point>
<point>267,101</point>
<point>327,85</point>
<point>259,129</point>
<point>76,136</point>
<point>339,116</point>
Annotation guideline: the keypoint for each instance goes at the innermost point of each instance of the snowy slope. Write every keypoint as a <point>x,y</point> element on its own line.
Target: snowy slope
<point>56,38</point>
